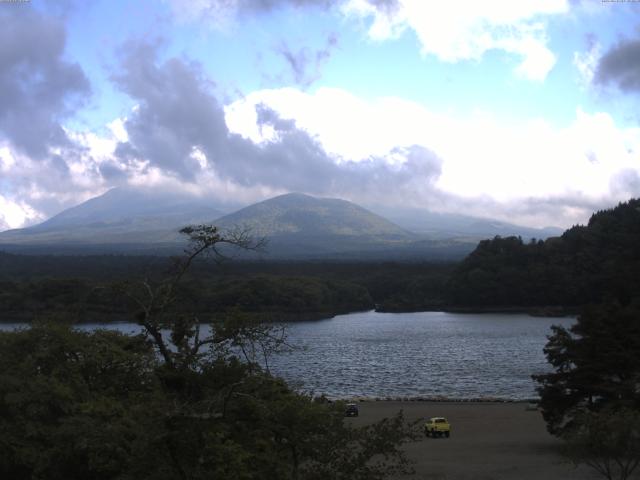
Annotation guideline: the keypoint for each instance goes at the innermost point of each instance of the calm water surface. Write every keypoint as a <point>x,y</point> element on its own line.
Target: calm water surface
<point>423,354</point>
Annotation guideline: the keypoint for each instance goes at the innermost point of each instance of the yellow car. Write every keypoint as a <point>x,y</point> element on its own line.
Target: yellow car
<point>437,427</point>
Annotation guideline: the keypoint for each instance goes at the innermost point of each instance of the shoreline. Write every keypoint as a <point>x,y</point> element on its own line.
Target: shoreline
<point>294,317</point>
<point>533,311</point>
<point>436,399</point>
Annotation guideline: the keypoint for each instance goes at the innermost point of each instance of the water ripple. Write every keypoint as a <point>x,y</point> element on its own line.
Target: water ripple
<point>426,354</point>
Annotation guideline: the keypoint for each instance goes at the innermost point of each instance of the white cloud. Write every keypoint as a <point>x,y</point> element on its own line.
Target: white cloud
<point>347,126</point>
<point>537,61</point>
<point>454,31</point>
<point>587,62</point>
<point>33,190</point>
<point>15,214</point>
<point>483,157</point>
<point>118,130</point>
<point>7,160</point>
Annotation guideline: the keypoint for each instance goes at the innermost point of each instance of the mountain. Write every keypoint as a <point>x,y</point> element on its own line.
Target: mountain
<point>120,216</point>
<point>299,214</point>
<point>298,226</point>
<point>301,225</point>
<point>436,225</point>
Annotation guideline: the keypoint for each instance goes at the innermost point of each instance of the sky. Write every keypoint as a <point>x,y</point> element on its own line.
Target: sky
<point>524,111</point>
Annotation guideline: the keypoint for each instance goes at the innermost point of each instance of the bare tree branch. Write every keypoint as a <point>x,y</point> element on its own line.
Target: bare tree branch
<point>155,304</point>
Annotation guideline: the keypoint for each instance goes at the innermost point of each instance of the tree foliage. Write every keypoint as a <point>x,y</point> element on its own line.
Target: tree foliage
<point>592,398</point>
<point>73,404</point>
<point>596,365</point>
<point>607,441</point>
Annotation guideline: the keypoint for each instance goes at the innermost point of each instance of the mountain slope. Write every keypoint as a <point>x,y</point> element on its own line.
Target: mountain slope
<point>118,216</point>
<point>303,215</point>
<point>299,225</point>
<point>448,225</point>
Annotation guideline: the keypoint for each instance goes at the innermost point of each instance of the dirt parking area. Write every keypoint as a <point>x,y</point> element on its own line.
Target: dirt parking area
<point>489,441</point>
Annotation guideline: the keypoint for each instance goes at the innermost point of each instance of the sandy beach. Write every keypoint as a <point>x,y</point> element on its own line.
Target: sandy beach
<point>489,441</point>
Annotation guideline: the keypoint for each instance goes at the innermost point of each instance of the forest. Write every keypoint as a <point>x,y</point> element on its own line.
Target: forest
<point>593,263</point>
<point>84,287</point>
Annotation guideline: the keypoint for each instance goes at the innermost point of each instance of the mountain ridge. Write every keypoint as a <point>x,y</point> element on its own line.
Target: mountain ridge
<point>454,225</point>
<point>297,226</point>
<point>120,215</point>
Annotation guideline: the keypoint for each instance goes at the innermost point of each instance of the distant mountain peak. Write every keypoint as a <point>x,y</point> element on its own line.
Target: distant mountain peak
<point>292,195</point>
<point>303,199</point>
<point>301,214</point>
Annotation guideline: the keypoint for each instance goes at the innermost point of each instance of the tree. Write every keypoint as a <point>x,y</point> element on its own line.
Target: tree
<point>592,399</point>
<point>155,301</point>
<point>73,404</point>
<point>596,364</point>
<point>172,404</point>
<point>607,441</point>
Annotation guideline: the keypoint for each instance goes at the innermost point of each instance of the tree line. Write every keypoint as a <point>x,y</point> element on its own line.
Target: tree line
<point>32,287</point>
<point>587,264</point>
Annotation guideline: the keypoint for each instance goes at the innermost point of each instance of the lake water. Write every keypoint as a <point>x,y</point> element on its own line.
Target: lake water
<point>425,354</point>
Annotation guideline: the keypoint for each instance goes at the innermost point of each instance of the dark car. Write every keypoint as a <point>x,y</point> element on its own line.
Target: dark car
<point>351,410</point>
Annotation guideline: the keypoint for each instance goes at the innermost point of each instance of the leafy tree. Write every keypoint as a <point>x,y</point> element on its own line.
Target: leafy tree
<point>592,398</point>
<point>73,404</point>
<point>596,364</point>
<point>607,441</point>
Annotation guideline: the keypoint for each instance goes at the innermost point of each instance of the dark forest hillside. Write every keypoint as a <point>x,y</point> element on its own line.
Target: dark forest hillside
<point>36,286</point>
<point>587,264</point>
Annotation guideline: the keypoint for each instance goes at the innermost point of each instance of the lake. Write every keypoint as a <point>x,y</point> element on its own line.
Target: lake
<point>424,354</point>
